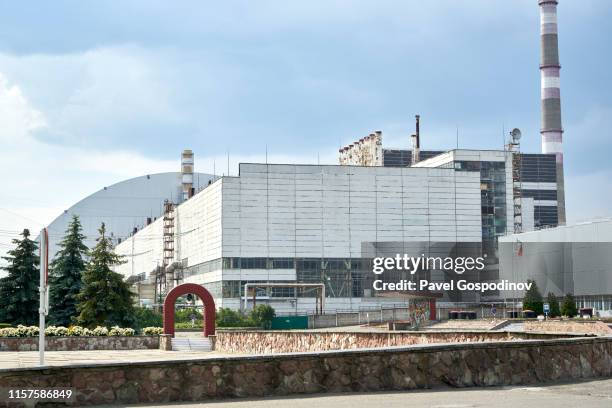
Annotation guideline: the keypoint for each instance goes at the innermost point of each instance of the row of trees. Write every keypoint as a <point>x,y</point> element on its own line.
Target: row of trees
<point>83,292</point>
<point>533,301</point>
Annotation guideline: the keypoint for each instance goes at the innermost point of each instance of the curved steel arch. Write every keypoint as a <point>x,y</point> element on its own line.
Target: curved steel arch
<point>184,289</point>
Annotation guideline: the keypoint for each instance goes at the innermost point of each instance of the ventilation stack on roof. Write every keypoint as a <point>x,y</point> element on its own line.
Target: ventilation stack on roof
<point>416,142</point>
<point>551,128</point>
<point>187,173</point>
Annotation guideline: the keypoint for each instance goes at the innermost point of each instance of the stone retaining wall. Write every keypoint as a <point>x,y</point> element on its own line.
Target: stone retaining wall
<point>568,326</point>
<point>80,343</point>
<point>265,342</point>
<point>399,368</point>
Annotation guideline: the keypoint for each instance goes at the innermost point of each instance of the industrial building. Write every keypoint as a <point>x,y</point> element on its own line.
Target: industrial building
<point>574,259</point>
<point>305,224</point>
<point>127,206</point>
<point>284,225</point>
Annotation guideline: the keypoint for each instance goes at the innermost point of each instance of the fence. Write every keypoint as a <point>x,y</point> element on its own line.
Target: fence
<point>482,310</point>
<point>415,313</point>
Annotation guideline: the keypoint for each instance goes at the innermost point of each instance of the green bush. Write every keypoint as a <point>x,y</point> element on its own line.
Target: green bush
<point>568,308</point>
<point>262,316</point>
<point>118,331</point>
<point>4,325</point>
<point>227,317</point>
<point>151,331</point>
<point>184,315</point>
<point>184,325</point>
<point>146,317</point>
<point>551,299</point>
<point>533,299</point>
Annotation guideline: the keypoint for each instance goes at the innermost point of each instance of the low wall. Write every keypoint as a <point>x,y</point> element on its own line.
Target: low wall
<point>70,343</point>
<point>265,342</point>
<point>568,326</point>
<point>400,368</point>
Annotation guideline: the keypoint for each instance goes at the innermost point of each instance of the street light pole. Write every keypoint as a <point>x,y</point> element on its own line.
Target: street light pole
<point>42,289</point>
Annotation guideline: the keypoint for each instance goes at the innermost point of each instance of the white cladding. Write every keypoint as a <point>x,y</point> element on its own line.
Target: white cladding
<point>122,206</point>
<point>197,235</point>
<point>567,259</point>
<point>293,211</point>
<point>329,211</point>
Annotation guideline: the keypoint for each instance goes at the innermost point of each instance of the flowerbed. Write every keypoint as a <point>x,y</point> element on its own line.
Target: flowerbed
<point>72,331</point>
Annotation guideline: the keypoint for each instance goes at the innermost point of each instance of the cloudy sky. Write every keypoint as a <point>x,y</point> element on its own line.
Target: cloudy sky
<point>92,93</point>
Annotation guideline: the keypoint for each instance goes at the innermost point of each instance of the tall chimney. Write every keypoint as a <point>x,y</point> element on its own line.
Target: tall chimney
<point>551,128</point>
<point>187,173</point>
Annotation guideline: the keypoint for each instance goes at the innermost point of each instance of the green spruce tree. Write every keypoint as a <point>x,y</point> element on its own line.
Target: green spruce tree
<point>19,297</point>
<point>105,298</point>
<point>533,299</point>
<point>569,308</point>
<point>65,275</point>
<point>552,301</point>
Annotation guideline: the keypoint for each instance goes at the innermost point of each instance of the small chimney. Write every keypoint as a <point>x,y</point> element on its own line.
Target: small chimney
<point>416,142</point>
<point>187,173</point>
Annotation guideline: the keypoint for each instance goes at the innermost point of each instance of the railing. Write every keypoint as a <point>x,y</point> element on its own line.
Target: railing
<point>364,315</point>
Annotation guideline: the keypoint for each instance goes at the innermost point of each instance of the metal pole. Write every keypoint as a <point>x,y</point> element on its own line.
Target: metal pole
<point>42,288</point>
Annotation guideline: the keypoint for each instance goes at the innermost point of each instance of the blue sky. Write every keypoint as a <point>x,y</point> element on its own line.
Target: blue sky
<point>94,92</point>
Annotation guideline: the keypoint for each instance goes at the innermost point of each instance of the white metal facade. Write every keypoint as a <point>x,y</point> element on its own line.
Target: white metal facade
<point>311,211</point>
<point>123,206</point>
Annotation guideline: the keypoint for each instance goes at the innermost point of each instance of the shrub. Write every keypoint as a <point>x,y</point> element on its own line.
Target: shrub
<point>8,332</point>
<point>568,308</point>
<point>27,331</point>
<point>118,331</point>
<point>227,317</point>
<point>146,317</point>
<point>4,325</point>
<point>262,315</point>
<point>151,331</point>
<point>79,331</point>
<point>551,299</point>
<point>533,299</point>
<point>100,331</point>
<point>54,331</point>
<point>184,315</point>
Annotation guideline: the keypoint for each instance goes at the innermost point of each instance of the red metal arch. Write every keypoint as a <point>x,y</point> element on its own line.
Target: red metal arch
<point>184,289</point>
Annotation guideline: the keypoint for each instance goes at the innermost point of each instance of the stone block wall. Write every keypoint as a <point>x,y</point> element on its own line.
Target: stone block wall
<point>266,342</point>
<point>397,368</point>
<point>569,326</point>
<point>71,343</point>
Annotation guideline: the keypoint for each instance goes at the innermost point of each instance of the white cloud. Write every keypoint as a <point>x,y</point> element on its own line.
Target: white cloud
<point>17,118</point>
<point>40,180</point>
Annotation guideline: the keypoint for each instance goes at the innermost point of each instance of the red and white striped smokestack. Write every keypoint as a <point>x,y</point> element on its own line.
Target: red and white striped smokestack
<point>551,128</point>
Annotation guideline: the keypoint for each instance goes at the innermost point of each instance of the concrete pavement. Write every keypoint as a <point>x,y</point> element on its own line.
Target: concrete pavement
<point>591,394</point>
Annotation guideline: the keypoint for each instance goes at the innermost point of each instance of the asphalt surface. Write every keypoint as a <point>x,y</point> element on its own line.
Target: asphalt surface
<point>588,394</point>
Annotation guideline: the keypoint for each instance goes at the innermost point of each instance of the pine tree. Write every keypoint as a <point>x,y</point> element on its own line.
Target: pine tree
<point>533,299</point>
<point>19,297</point>
<point>569,308</point>
<point>65,275</point>
<point>551,299</point>
<point>105,298</point>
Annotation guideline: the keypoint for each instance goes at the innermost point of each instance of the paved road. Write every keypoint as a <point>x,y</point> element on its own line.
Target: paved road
<point>17,359</point>
<point>592,394</point>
